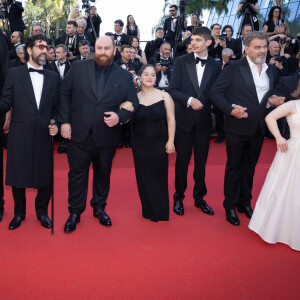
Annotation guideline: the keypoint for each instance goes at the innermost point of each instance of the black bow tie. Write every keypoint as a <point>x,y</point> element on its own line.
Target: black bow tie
<point>61,64</point>
<point>203,61</point>
<point>35,70</point>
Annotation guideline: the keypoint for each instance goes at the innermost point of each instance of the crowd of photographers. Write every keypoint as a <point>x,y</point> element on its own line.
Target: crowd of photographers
<point>78,41</point>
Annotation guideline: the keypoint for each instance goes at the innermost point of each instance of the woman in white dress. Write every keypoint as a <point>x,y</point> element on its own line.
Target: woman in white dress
<point>276,217</point>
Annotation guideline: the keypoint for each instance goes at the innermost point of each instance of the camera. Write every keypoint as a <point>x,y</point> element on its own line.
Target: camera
<point>222,37</point>
<point>165,63</point>
<point>246,6</point>
<point>136,78</point>
<point>282,41</point>
<point>278,58</point>
<point>69,53</point>
<point>4,4</point>
<point>86,5</point>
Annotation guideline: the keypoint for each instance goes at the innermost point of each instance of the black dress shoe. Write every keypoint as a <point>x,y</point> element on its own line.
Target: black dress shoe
<point>204,207</point>
<point>45,221</point>
<point>1,212</point>
<point>102,216</point>
<point>120,146</point>
<point>15,222</point>
<point>232,217</point>
<point>178,208</point>
<point>247,210</point>
<point>71,223</point>
<point>219,140</point>
<point>128,145</point>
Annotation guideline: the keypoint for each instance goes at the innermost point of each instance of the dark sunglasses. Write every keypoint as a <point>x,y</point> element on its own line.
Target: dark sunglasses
<point>171,10</point>
<point>42,47</point>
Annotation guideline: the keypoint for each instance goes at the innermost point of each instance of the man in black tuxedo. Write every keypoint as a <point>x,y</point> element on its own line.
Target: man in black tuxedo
<point>192,77</point>
<point>84,35</point>
<point>20,60</point>
<point>70,38</point>
<point>240,42</point>
<point>61,66</point>
<point>4,64</point>
<point>16,22</point>
<point>90,97</point>
<point>242,92</point>
<point>170,25</point>
<point>119,36</point>
<point>31,92</point>
<point>84,49</point>
<point>16,40</point>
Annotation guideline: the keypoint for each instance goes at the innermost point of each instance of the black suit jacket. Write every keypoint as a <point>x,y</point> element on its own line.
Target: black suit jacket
<point>15,17</point>
<point>29,142</point>
<point>80,105</point>
<point>4,59</point>
<point>52,66</point>
<point>184,84</point>
<point>238,48</point>
<point>124,38</point>
<point>169,34</point>
<point>16,62</point>
<point>235,85</point>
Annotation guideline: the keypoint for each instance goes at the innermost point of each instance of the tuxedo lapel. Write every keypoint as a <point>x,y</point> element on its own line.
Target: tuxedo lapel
<point>46,89</point>
<point>26,81</point>
<point>91,72</point>
<point>191,68</point>
<point>208,71</point>
<point>248,78</point>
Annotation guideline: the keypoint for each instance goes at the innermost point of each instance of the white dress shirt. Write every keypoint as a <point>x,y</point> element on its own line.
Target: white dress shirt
<point>61,69</point>
<point>261,81</point>
<point>37,81</point>
<point>200,70</point>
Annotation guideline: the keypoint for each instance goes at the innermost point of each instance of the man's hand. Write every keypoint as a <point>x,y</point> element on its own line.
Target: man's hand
<point>158,68</point>
<point>164,69</point>
<point>278,65</point>
<point>196,104</point>
<point>7,122</point>
<point>274,100</point>
<point>223,44</point>
<point>272,61</point>
<point>65,131</point>
<point>239,112</point>
<point>53,130</point>
<point>111,118</point>
<point>71,57</point>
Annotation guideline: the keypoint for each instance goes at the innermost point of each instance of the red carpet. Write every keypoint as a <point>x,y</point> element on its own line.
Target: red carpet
<point>191,257</point>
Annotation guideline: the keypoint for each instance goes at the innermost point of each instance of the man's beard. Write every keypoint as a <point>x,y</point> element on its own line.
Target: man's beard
<point>38,60</point>
<point>260,60</point>
<point>106,63</point>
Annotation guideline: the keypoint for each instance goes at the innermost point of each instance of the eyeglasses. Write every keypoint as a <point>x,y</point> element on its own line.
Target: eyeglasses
<point>171,10</point>
<point>217,28</point>
<point>42,47</point>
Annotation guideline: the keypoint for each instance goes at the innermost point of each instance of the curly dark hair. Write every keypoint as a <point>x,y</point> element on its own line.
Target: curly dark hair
<point>270,15</point>
<point>31,41</point>
<point>228,26</point>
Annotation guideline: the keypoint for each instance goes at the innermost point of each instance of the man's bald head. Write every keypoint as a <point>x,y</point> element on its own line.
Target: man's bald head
<point>104,51</point>
<point>274,48</point>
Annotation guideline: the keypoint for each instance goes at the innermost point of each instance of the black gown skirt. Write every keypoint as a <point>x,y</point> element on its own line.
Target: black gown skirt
<point>149,137</point>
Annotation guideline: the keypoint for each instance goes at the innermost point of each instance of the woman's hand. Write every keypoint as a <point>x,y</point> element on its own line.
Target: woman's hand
<point>282,144</point>
<point>127,105</point>
<point>170,148</point>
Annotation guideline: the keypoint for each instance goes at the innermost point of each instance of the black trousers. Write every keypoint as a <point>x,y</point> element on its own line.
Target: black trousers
<point>242,156</point>
<point>41,201</point>
<point>219,115</point>
<point>1,164</point>
<point>80,157</point>
<point>184,144</point>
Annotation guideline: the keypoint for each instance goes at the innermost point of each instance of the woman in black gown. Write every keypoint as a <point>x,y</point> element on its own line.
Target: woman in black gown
<point>152,140</point>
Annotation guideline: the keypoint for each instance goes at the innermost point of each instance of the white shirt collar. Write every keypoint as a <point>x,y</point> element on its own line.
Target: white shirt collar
<point>31,66</point>
<point>196,55</point>
<point>253,65</point>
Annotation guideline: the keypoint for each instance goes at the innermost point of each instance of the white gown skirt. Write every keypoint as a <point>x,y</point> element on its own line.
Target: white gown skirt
<point>276,216</point>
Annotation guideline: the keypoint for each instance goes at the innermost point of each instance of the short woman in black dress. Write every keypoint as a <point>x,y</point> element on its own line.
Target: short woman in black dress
<point>131,28</point>
<point>153,134</point>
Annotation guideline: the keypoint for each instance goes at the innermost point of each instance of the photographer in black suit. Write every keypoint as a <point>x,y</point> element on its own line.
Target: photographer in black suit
<point>93,24</point>
<point>242,92</point>
<point>15,19</point>
<point>163,64</point>
<point>31,92</point>
<point>152,47</point>
<point>192,77</point>
<point>120,37</point>
<point>93,126</point>
<point>170,25</point>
